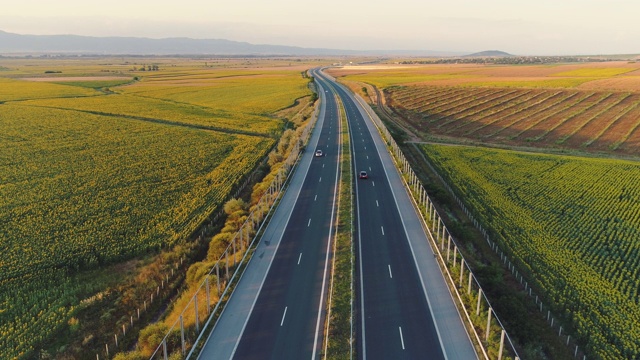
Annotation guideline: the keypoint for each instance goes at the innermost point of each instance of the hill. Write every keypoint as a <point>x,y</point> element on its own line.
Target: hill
<point>490,53</point>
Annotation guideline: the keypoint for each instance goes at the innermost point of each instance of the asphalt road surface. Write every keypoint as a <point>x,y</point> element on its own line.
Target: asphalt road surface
<point>405,309</point>
<point>281,316</point>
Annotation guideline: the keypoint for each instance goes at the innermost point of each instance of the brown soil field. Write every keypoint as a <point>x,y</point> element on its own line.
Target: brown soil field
<point>609,75</point>
<point>601,121</point>
<point>629,82</point>
<point>415,70</point>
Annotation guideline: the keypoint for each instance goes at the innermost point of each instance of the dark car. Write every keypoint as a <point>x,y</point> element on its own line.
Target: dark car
<point>363,175</point>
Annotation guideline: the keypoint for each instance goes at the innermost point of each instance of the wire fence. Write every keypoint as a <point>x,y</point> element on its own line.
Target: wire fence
<point>455,269</point>
<point>482,322</point>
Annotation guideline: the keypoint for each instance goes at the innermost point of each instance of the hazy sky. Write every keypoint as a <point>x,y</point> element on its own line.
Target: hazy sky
<point>541,27</point>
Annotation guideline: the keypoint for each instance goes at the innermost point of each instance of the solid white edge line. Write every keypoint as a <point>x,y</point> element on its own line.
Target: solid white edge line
<point>235,348</point>
<point>326,260</point>
<point>283,315</point>
<point>362,317</point>
<point>355,166</point>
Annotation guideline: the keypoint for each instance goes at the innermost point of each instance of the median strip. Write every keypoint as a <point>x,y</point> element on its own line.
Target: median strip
<point>339,327</point>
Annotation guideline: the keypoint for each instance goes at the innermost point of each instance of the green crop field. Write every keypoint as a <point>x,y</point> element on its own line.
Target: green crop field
<point>91,177</point>
<point>572,225</point>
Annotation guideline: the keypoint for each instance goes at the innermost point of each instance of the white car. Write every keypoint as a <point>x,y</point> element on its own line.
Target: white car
<point>318,153</point>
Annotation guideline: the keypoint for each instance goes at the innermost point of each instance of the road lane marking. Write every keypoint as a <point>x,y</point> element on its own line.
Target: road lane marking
<point>320,179</point>
<point>309,223</point>
<point>369,168</point>
<point>378,205</point>
<point>381,228</point>
<point>373,183</point>
<point>401,338</point>
<point>299,257</point>
<point>367,157</point>
<point>315,198</point>
<point>390,275</point>
<point>285,314</point>
<point>365,148</point>
<point>323,166</point>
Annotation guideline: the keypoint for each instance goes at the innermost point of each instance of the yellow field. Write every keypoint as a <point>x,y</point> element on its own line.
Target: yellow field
<point>93,174</point>
<point>595,72</point>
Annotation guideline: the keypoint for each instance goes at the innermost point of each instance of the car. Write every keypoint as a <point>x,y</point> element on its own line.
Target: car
<point>318,152</point>
<point>363,175</point>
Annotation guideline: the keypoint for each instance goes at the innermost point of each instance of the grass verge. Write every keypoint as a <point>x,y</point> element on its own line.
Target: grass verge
<point>339,344</point>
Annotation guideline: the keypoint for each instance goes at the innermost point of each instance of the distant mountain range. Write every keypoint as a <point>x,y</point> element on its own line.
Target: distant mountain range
<point>12,44</point>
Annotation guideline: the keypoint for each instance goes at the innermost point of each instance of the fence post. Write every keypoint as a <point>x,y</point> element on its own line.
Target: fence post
<point>448,247</point>
<point>501,345</point>
<point>455,256</point>
<point>479,298</point>
<point>488,324</point>
<point>470,278</point>
<point>164,349</point>
<point>226,262</point>
<point>235,253</point>
<point>218,277</point>
<point>195,305</point>
<point>184,349</point>
<point>461,270</point>
<point>208,295</point>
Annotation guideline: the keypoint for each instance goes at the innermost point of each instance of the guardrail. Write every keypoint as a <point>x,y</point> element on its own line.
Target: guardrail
<point>205,306</point>
<point>482,321</point>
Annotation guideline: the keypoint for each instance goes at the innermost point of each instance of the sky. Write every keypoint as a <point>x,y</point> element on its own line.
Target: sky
<point>539,27</point>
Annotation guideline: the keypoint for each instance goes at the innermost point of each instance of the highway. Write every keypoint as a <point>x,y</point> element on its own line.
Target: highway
<point>405,309</point>
<point>281,316</point>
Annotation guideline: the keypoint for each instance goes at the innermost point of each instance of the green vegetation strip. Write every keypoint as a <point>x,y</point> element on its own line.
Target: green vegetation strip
<point>339,329</point>
<point>572,226</point>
